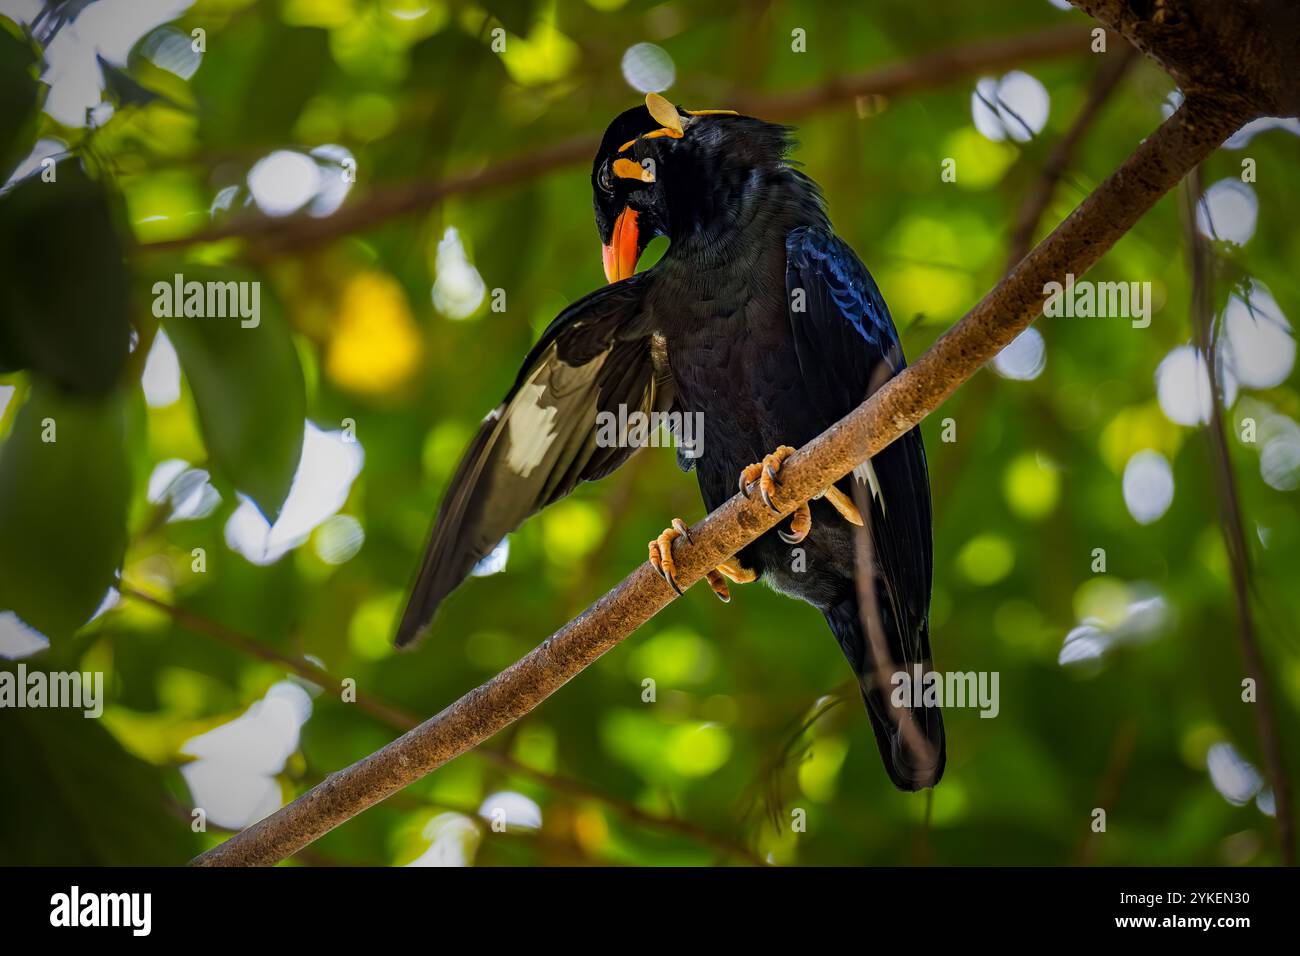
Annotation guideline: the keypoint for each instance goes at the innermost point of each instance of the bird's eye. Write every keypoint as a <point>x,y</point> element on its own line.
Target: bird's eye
<point>603,179</point>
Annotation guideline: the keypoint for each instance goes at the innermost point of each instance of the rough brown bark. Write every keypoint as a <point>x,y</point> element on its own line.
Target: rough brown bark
<point>1242,52</point>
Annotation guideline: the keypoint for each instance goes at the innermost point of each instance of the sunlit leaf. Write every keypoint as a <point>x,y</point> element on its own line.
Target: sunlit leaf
<point>248,386</point>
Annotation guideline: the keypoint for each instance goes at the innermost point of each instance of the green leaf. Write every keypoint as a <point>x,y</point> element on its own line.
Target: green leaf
<point>80,799</point>
<point>20,100</point>
<point>282,93</point>
<point>64,489</point>
<point>122,88</point>
<point>248,386</point>
<point>63,304</point>
<point>516,15</point>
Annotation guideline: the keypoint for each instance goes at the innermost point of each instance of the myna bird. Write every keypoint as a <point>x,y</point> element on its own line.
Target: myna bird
<point>765,323</point>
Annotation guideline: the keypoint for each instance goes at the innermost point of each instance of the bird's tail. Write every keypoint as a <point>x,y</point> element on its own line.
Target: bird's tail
<point>914,755</point>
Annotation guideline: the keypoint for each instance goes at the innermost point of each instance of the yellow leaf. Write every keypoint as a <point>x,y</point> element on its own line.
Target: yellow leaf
<point>376,347</point>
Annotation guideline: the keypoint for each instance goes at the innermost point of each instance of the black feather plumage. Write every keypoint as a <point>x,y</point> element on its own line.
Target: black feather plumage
<point>763,321</point>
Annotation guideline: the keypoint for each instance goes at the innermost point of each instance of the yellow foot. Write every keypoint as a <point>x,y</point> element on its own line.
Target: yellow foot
<point>843,504</point>
<point>731,568</point>
<point>764,472</point>
<point>661,552</point>
<point>661,559</point>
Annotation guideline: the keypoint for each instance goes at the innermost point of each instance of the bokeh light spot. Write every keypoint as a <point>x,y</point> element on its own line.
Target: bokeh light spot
<point>458,289</point>
<point>648,68</point>
<point>375,348</point>
<point>986,559</point>
<point>1148,486</point>
<point>1015,107</point>
<point>283,182</point>
<point>1032,486</point>
<point>1227,211</point>
<point>1024,357</point>
<point>1257,342</point>
<point>330,463</point>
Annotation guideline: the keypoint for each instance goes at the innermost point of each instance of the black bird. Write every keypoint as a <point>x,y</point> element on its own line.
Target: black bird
<point>764,322</point>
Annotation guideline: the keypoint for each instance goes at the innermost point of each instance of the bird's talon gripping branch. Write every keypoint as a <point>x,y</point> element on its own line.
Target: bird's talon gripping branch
<point>800,525</point>
<point>764,472</point>
<point>745,480</point>
<point>661,552</point>
<point>661,559</point>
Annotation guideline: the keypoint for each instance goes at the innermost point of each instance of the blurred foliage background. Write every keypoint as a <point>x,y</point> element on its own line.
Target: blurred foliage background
<point>229,517</point>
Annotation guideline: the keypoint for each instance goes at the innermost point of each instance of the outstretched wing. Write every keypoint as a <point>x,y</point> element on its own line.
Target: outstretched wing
<point>545,437</point>
<point>847,348</point>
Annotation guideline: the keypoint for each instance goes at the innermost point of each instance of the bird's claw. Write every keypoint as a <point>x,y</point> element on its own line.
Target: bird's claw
<point>685,532</point>
<point>765,474</point>
<point>661,559</point>
<point>843,504</point>
<point>731,568</point>
<point>661,552</point>
<point>747,477</point>
<point>800,525</point>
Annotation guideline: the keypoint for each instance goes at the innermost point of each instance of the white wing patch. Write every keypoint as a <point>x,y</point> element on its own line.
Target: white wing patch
<point>531,431</point>
<point>865,472</point>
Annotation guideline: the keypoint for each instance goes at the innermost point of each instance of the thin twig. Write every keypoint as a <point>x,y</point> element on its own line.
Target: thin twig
<point>382,204</point>
<point>1040,193</point>
<point>1231,522</point>
<point>884,666</point>
<point>1117,764</point>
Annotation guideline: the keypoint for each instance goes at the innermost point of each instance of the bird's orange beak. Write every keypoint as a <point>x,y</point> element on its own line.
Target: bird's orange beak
<point>622,252</point>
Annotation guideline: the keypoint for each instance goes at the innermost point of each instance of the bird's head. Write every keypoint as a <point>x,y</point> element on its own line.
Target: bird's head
<point>666,171</point>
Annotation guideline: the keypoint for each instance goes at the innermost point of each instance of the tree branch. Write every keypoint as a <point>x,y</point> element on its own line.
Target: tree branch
<point>921,73</point>
<point>1183,141</point>
<point>1241,52</point>
<point>401,719</point>
<point>382,204</point>
<point>1032,209</point>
